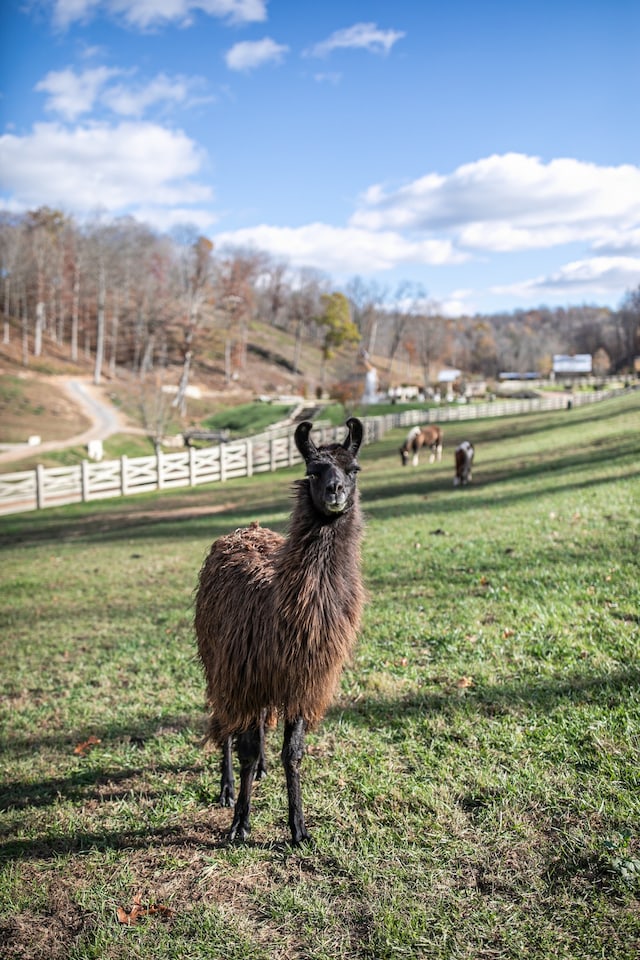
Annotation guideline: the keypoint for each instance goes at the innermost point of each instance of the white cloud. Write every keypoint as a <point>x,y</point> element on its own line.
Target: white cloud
<point>596,277</point>
<point>362,36</point>
<point>152,13</point>
<point>511,202</point>
<point>333,78</point>
<point>619,242</point>
<point>249,54</point>
<point>164,219</point>
<point>116,167</point>
<point>134,101</point>
<point>340,250</point>
<point>71,94</point>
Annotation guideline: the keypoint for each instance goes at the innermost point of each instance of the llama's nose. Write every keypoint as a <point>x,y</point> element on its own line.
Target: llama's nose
<point>335,485</point>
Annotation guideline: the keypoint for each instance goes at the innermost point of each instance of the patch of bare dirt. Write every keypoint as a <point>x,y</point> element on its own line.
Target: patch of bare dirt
<point>49,934</point>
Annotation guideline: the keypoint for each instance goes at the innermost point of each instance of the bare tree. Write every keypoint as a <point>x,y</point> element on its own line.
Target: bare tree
<point>195,285</point>
<point>628,327</point>
<point>304,307</point>
<point>367,301</point>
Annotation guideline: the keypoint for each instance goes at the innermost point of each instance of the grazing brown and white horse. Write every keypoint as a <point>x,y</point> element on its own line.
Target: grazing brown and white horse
<point>464,462</point>
<point>419,437</point>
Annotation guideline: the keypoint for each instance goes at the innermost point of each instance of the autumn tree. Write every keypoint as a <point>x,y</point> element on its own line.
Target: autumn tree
<point>339,329</point>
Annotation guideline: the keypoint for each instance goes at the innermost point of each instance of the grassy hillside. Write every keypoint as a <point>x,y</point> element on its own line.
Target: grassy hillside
<point>35,405</point>
<point>473,793</point>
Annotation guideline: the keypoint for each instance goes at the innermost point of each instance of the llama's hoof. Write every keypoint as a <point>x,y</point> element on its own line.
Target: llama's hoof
<point>239,833</point>
<point>227,798</point>
<point>261,773</point>
<point>301,838</point>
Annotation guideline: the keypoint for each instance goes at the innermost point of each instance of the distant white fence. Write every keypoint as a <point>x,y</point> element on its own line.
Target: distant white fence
<point>54,486</point>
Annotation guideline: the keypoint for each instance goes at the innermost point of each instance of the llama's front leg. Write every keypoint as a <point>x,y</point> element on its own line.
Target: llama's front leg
<point>248,744</point>
<point>227,785</point>
<point>292,754</point>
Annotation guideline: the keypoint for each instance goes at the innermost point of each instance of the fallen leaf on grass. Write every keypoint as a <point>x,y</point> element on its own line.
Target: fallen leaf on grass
<point>82,748</point>
<point>131,917</point>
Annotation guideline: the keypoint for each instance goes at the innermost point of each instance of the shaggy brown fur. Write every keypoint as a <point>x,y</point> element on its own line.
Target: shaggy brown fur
<point>277,617</point>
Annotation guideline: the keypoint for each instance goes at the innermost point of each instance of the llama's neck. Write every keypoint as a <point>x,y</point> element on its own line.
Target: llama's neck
<point>320,552</point>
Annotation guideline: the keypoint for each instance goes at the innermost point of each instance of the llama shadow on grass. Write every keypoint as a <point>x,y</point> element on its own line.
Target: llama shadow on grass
<point>208,827</point>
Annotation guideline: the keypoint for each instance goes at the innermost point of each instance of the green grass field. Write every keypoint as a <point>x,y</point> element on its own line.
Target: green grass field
<point>473,793</point>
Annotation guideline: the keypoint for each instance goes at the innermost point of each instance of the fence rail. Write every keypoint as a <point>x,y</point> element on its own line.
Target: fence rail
<point>48,487</point>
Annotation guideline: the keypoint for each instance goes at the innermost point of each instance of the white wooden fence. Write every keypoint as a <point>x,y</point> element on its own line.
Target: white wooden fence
<point>48,487</point>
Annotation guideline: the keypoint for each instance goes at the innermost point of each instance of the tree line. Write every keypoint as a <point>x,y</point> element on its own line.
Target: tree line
<point>127,297</point>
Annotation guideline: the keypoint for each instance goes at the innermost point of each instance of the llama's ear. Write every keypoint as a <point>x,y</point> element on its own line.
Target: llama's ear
<point>354,437</point>
<point>304,443</point>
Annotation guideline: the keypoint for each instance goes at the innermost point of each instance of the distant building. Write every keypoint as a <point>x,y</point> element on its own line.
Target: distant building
<point>448,376</point>
<point>572,364</point>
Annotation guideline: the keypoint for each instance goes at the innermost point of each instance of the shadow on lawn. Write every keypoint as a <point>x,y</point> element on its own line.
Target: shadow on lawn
<point>536,696</point>
<point>199,518</point>
<point>210,838</point>
<point>98,784</point>
<point>487,491</point>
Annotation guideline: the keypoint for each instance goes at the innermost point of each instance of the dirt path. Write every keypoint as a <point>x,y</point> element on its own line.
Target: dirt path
<point>105,420</point>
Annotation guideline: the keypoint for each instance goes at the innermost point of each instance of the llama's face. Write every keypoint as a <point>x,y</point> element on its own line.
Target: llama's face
<point>332,481</point>
<point>331,469</point>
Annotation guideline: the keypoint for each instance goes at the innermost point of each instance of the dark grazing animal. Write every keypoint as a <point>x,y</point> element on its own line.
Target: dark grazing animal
<point>418,437</point>
<point>277,617</point>
<point>464,462</point>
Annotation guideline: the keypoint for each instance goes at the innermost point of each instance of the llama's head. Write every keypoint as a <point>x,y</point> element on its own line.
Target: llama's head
<point>331,468</point>
<point>404,455</point>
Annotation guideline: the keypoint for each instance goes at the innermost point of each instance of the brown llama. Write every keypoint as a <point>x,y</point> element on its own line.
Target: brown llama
<point>464,454</point>
<point>277,617</point>
<point>430,437</point>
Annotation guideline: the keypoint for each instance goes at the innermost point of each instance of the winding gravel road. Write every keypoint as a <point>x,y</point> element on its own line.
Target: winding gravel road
<point>105,420</point>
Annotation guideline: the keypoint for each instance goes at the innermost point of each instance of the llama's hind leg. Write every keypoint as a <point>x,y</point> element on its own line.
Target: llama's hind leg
<point>261,769</point>
<point>248,745</point>
<point>292,754</point>
<point>227,784</point>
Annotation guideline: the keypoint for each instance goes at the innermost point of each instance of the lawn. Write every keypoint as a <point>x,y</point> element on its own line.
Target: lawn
<point>473,793</point>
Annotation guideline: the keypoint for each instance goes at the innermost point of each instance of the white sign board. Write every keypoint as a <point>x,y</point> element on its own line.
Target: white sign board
<point>578,363</point>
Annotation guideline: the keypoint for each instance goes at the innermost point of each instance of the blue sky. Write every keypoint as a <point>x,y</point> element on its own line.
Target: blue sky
<point>486,151</point>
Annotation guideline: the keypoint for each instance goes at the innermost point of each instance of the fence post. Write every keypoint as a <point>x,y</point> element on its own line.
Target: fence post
<point>40,477</point>
<point>249,455</point>
<point>272,454</point>
<point>123,475</point>
<point>159,466</point>
<point>292,449</point>
<point>84,480</point>
<point>223,465</point>
<point>192,466</point>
